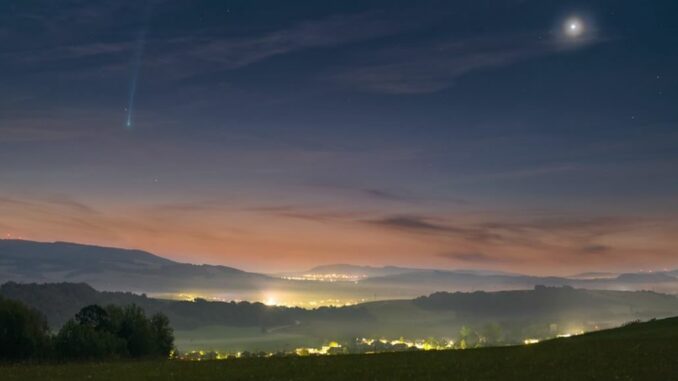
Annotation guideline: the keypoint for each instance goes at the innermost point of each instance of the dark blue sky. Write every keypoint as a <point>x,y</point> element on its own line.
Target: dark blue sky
<point>271,134</point>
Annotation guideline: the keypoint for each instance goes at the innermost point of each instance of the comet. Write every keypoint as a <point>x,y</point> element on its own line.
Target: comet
<point>136,72</point>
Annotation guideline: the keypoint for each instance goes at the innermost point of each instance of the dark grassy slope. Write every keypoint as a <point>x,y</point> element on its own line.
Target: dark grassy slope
<point>644,351</point>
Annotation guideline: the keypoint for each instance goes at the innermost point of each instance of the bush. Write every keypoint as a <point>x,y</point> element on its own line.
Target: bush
<point>79,341</point>
<point>94,333</point>
<point>115,332</point>
<point>24,332</point>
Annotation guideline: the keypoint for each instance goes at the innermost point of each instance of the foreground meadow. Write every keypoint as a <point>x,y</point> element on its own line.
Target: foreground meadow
<point>643,351</point>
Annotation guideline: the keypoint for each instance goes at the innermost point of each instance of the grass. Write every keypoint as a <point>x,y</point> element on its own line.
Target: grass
<point>644,351</point>
<point>239,339</point>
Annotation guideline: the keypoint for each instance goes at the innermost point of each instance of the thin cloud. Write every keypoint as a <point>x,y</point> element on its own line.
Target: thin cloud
<point>189,207</point>
<point>473,257</point>
<point>183,57</point>
<point>420,69</point>
<point>596,249</point>
<point>523,173</point>
<point>67,202</point>
<point>306,213</point>
<point>232,53</point>
<point>374,193</point>
<point>410,223</point>
<point>430,225</point>
<point>386,195</point>
<point>70,217</point>
<point>538,233</point>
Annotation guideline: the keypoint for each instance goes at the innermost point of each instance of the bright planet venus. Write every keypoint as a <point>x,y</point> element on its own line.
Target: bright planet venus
<point>574,27</point>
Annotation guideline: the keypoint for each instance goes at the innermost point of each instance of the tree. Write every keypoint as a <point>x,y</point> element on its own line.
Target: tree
<point>24,332</point>
<point>492,334</point>
<point>468,338</point>
<point>94,333</point>
<point>114,331</point>
<point>163,335</point>
<point>464,331</point>
<point>95,317</point>
<point>82,341</point>
<point>135,329</point>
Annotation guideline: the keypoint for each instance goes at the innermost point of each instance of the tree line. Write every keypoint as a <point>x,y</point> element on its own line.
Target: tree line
<point>95,332</point>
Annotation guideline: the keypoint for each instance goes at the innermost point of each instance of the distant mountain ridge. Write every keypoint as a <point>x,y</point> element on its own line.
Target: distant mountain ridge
<point>665,282</point>
<point>114,269</point>
<point>378,271</point>
<point>111,268</point>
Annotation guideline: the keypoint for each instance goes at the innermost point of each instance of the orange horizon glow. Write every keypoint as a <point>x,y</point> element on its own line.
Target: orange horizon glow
<point>282,239</point>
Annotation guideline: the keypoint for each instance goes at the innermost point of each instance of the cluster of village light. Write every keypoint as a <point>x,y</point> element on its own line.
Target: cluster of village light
<point>361,345</point>
<point>273,301</point>
<point>331,303</point>
<point>562,335</point>
<point>426,345</point>
<point>269,300</point>
<point>334,277</point>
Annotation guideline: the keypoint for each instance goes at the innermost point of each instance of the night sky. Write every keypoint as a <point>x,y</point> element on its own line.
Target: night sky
<point>522,135</point>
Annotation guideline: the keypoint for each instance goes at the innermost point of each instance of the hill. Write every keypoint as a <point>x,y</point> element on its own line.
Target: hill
<point>642,351</point>
<point>109,268</point>
<point>441,280</point>
<point>60,301</point>
<point>519,314</point>
<point>137,271</point>
<point>360,272</point>
<point>515,315</point>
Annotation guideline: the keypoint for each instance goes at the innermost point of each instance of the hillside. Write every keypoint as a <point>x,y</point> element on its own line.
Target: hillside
<point>137,271</point>
<point>109,268</point>
<point>541,312</point>
<point>60,301</point>
<point>381,271</point>
<point>440,280</point>
<point>642,351</point>
<point>357,271</point>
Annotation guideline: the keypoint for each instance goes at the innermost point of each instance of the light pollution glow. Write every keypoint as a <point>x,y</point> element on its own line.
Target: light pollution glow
<point>266,241</point>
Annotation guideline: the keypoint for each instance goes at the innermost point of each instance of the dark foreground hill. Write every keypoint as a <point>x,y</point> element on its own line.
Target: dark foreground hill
<point>641,351</point>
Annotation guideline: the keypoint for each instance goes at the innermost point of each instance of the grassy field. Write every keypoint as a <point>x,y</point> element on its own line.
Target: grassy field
<point>647,351</point>
<point>239,339</point>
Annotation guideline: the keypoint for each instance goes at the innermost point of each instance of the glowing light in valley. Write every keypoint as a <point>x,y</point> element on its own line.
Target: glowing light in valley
<point>361,345</point>
<point>570,334</point>
<point>136,71</point>
<point>271,301</point>
<point>364,345</point>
